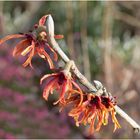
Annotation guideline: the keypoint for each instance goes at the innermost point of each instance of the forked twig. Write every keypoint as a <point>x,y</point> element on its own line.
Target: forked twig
<point>82,78</point>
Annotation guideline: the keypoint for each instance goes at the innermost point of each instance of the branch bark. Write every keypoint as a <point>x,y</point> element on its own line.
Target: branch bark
<point>81,77</point>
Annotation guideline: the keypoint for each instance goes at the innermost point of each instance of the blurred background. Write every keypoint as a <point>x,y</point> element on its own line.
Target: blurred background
<point>104,40</point>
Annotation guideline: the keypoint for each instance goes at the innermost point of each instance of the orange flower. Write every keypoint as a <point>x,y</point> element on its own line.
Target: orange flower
<point>93,109</point>
<point>62,83</point>
<point>33,43</point>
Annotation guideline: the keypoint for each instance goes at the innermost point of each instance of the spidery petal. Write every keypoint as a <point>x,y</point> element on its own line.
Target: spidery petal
<point>8,37</point>
<point>20,47</point>
<point>48,87</point>
<point>47,76</point>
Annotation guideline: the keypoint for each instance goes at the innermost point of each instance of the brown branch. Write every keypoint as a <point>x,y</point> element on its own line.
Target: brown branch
<point>82,78</point>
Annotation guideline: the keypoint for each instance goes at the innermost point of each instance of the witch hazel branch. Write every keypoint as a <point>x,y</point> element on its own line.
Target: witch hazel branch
<point>97,88</point>
<point>92,106</point>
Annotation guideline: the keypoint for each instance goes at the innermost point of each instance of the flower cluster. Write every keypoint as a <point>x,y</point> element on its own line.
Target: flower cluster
<point>33,43</point>
<point>63,83</point>
<point>93,108</point>
<point>87,108</point>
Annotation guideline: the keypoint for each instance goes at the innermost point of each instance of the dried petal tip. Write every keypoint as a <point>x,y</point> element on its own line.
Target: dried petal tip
<point>50,25</point>
<point>42,20</point>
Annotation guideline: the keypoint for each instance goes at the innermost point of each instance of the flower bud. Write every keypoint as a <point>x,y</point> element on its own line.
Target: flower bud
<point>50,25</point>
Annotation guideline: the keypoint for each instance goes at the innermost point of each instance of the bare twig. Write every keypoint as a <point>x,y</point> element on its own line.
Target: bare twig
<point>127,118</point>
<point>65,58</point>
<point>82,78</point>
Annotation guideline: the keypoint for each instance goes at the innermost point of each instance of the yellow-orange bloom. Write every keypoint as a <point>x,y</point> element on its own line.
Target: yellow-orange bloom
<point>93,109</point>
<point>64,84</point>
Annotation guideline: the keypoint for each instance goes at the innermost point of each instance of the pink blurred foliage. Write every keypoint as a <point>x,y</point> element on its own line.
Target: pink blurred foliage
<point>27,116</point>
<point>9,70</point>
<point>30,114</point>
<point>7,116</point>
<point>24,114</point>
<point>6,135</point>
<point>9,96</point>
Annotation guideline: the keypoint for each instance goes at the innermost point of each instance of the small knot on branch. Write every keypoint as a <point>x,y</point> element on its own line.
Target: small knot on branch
<point>136,130</point>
